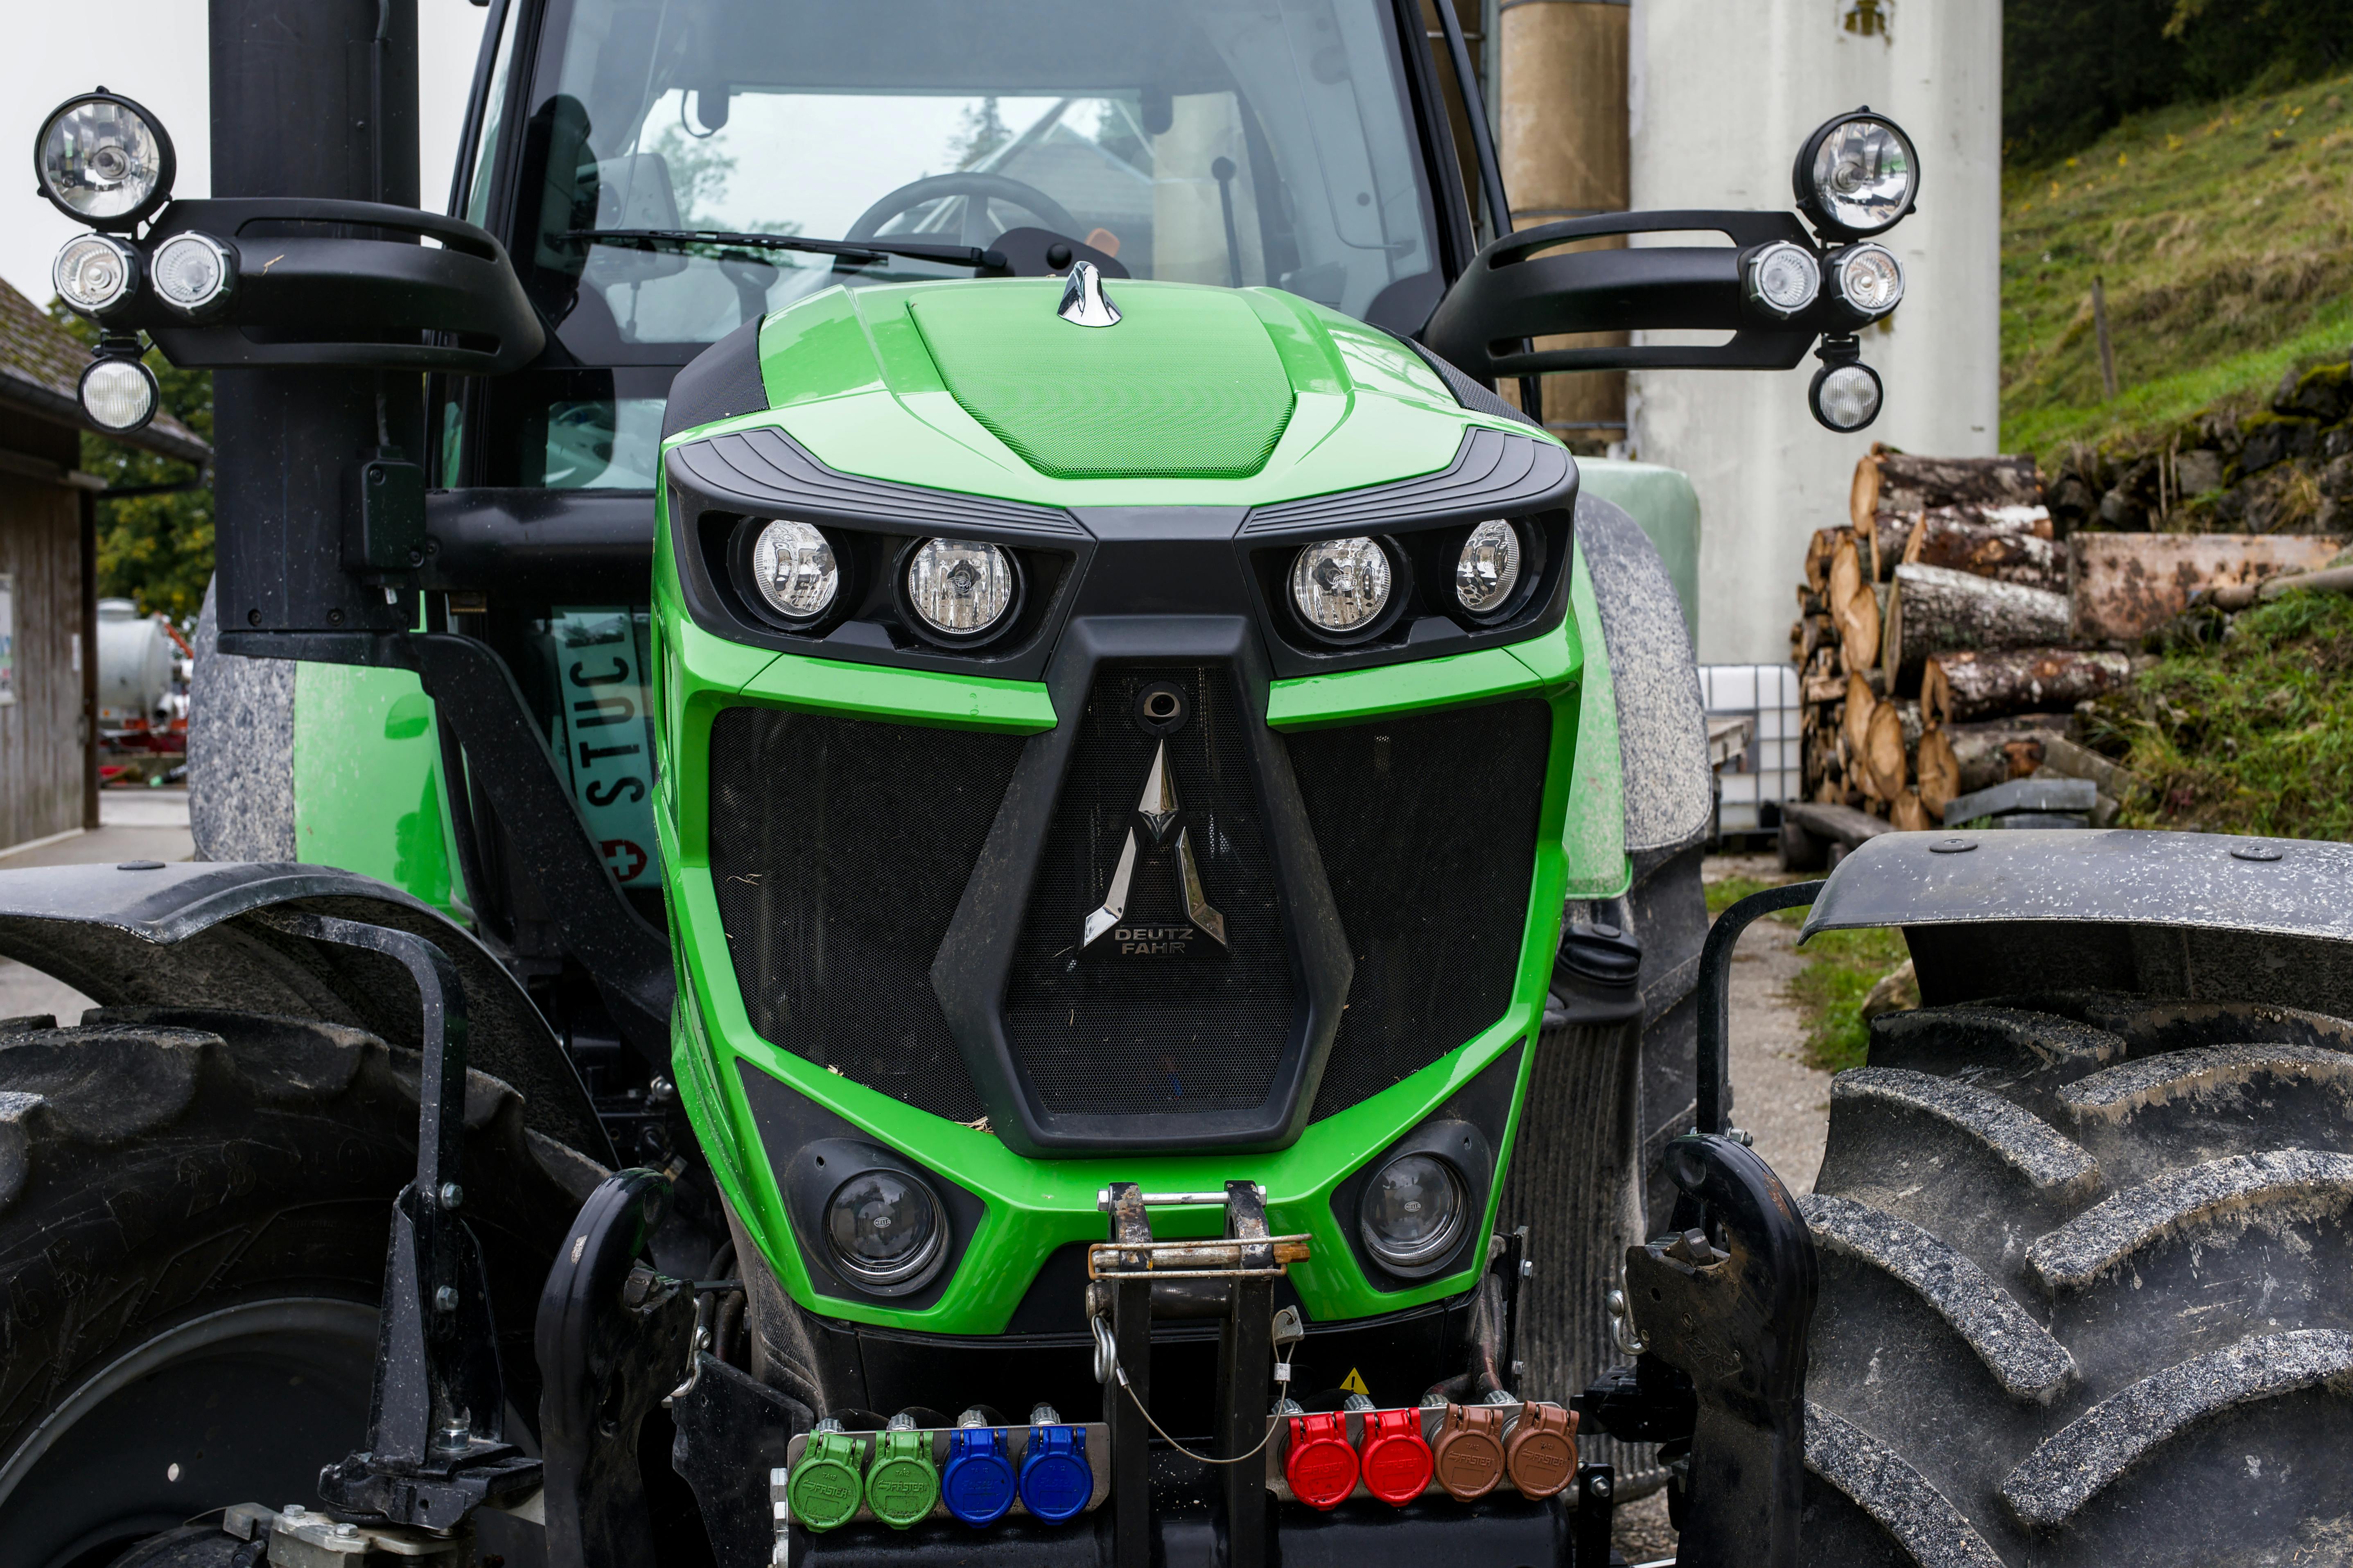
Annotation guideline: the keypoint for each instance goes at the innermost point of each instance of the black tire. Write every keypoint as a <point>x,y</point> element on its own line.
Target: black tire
<point>194,1212</point>
<point>2083,1290</point>
<point>1602,1102</point>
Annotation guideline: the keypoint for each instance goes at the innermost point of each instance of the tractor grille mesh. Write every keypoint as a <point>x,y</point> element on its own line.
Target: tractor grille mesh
<point>1428,828</point>
<point>839,850</point>
<point>1100,1033</point>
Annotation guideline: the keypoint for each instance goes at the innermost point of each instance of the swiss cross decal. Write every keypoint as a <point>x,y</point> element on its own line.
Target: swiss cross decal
<point>624,859</point>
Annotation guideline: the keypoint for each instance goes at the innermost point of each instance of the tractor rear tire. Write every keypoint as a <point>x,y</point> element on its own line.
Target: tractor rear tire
<point>2084,1289</point>
<point>193,1213</point>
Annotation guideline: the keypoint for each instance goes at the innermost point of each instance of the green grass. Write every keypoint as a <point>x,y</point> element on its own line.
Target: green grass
<point>1840,969</point>
<point>2250,735</point>
<point>2224,262</point>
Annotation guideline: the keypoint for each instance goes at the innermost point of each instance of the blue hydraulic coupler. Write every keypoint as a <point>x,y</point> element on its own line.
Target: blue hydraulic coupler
<point>979,1482</point>
<point>1056,1483</point>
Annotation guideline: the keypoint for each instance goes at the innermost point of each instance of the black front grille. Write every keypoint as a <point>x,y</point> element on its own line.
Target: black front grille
<point>839,850</point>
<point>1428,828</point>
<point>1107,1031</point>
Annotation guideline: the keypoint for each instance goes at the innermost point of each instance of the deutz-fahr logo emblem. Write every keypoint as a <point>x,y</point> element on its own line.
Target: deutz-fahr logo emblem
<point>1158,817</point>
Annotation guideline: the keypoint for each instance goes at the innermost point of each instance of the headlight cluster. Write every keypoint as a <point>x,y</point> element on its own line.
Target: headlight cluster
<point>886,1228</point>
<point>1413,1211</point>
<point>1348,590</point>
<point>954,592</point>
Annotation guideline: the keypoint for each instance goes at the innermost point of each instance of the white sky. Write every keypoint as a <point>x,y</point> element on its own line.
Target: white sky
<point>154,51</point>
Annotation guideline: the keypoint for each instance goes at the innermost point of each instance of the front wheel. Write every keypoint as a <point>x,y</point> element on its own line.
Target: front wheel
<point>193,1213</point>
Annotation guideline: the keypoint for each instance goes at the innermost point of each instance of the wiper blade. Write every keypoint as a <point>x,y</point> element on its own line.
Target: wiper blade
<point>851,249</point>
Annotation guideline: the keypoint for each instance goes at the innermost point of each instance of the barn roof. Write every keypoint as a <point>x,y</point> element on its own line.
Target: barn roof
<point>41,371</point>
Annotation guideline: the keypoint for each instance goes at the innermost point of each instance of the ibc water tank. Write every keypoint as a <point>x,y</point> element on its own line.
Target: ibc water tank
<point>135,665</point>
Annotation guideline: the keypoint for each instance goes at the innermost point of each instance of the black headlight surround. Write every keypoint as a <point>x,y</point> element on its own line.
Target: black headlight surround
<point>818,1170</point>
<point>1466,1132</point>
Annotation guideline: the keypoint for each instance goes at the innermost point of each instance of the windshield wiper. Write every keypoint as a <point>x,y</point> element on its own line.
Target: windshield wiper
<point>849,249</point>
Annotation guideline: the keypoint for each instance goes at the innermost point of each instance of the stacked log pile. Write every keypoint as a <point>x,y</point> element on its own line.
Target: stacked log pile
<point>1928,625</point>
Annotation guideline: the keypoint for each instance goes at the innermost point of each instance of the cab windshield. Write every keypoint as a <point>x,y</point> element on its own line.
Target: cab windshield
<point>1222,142</point>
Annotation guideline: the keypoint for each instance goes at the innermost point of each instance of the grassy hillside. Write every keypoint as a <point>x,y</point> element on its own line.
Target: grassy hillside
<point>2224,233</point>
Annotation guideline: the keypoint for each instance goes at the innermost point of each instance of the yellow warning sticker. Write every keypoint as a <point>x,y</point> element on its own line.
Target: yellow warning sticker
<point>1355,1383</point>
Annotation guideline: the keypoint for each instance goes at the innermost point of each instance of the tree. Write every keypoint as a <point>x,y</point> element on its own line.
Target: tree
<point>154,550</point>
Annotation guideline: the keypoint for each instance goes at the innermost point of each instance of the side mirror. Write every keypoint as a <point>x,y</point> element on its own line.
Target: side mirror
<point>1777,288</point>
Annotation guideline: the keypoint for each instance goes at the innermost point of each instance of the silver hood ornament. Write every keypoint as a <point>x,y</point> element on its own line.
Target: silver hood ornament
<point>1083,300</point>
<point>1157,814</point>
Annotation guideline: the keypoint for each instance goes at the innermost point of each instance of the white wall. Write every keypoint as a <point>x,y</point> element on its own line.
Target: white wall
<point>1723,93</point>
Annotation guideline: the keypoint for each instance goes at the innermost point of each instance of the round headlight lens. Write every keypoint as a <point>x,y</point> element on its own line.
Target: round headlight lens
<point>796,568</point>
<point>95,273</point>
<point>1342,584</point>
<point>119,394</point>
<point>1846,397</point>
<point>1413,1211</point>
<point>1861,177</point>
<point>1489,568</point>
<point>885,1227</point>
<point>1870,280</point>
<point>1783,279</point>
<point>961,588</point>
<point>103,161</point>
<point>193,273</point>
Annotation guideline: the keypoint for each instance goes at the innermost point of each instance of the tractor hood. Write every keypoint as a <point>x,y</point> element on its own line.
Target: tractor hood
<point>1195,396</point>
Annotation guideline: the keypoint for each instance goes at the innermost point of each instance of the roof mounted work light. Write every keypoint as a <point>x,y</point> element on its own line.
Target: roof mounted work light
<point>104,161</point>
<point>1856,175</point>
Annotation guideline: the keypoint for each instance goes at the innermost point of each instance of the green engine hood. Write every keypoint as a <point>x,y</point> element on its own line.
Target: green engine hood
<point>1200,395</point>
<point>1186,384</point>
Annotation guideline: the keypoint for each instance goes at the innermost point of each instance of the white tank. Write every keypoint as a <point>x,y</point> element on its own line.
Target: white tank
<point>135,665</point>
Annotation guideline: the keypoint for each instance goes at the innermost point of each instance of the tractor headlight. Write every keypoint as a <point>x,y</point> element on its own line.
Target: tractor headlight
<point>885,1226</point>
<point>1846,397</point>
<point>795,568</point>
<point>960,589</point>
<point>95,273</point>
<point>103,160</point>
<point>1341,585</point>
<point>118,394</point>
<point>1413,1213</point>
<point>1488,570</point>
<point>1869,279</point>
<point>1857,175</point>
<point>192,274</point>
<point>1782,279</point>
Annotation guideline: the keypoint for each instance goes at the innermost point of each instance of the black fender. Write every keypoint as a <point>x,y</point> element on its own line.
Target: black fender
<point>193,935</point>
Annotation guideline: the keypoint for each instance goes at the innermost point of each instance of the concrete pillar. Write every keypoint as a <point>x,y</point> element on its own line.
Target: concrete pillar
<point>1564,153</point>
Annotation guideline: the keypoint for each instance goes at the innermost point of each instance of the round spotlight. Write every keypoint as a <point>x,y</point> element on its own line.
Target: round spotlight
<point>1782,280</point>
<point>1341,585</point>
<point>103,160</point>
<point>886,1228</point>
<point>95,273</point>
<point>1413,1213</point>
<point>1856,175</point>
<point>794,565</point>
<point>1488,570</point>
<point>960,589</point>
<point>1869,279</point>
<point>192,274</point>
<point>1844,398</point>
<point>118,394</point>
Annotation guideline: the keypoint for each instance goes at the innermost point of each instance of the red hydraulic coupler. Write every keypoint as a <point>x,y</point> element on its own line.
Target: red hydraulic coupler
<point>1396,1461</point>
<point>1320,1466</point>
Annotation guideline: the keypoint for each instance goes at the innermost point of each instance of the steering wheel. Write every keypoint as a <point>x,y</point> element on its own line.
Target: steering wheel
<point>978,189</point>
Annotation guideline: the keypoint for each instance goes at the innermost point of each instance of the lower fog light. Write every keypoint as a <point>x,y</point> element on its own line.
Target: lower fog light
<point>885,1227</point>
<point>825,1488</point>
<point>1413,1213</point>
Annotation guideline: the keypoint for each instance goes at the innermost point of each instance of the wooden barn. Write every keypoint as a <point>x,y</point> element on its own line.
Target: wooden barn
<point>49,598</point>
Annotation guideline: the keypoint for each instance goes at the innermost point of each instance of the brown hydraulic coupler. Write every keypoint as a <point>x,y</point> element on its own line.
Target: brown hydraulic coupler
<point>1540,1455</point>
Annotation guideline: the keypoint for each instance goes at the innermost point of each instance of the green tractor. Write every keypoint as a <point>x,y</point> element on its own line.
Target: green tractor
<point>930,840</point>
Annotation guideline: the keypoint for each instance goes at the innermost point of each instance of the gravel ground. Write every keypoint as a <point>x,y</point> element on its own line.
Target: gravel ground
<point>1779,1098</point>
